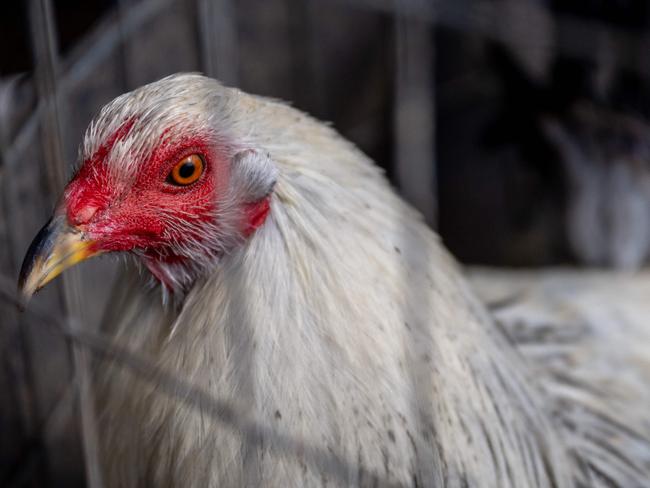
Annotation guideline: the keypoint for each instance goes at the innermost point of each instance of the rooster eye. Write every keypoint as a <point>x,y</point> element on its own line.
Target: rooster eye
<point>186,171</point>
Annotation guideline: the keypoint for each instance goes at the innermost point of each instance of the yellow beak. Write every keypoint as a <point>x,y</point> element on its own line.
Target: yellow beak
<point>55,248</point>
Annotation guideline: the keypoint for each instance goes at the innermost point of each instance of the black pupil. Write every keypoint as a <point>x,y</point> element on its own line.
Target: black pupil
<point>186,170</point>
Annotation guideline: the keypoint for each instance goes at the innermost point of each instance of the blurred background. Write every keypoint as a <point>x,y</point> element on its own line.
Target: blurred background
<point>519,128</point>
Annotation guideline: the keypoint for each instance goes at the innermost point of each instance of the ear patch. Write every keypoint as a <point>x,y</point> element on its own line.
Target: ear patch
<point>253,174</point>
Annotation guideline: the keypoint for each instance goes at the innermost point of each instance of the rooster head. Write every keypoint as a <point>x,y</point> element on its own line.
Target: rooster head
<point>161,177</point>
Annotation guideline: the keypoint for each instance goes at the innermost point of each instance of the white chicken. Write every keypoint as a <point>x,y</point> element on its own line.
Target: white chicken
<point>303,293</point>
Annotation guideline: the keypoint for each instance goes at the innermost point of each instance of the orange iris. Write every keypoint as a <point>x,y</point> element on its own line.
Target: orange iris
<point>187,170</point>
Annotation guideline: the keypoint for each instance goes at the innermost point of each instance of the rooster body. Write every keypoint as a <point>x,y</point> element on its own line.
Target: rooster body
<point>333,324</point>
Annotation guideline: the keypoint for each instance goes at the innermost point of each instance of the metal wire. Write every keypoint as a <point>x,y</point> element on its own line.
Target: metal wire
<point>218,34</point>
<point>414,124</point>
<point>413,129</point>
<point>43,32</point>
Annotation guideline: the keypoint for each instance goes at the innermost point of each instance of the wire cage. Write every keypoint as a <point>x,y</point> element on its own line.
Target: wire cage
<point>366,65</point>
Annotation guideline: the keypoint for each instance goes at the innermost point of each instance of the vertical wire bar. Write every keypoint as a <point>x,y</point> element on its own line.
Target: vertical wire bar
<point>45,68</point>
<point>43,32</point>
<point>414,123</point>
<point>306,64</point>
<point>414,169</point>
<point>123,9</point>
<point>44,45</point>
<point>89,433</point>
<point>217,21</point>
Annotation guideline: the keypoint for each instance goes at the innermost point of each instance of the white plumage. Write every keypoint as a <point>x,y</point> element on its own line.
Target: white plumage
<point>343,332</point>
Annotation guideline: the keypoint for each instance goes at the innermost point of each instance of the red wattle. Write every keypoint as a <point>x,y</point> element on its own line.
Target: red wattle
<point>256,214</point>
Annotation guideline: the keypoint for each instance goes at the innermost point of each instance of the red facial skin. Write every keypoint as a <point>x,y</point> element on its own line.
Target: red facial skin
<point>125,216</point>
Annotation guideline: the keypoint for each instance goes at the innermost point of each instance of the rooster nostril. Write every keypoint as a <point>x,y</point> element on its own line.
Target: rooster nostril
<point>84,214</point>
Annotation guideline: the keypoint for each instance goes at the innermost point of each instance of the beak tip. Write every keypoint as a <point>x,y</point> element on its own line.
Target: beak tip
<point>26,288</point>
<point>24,295</point>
